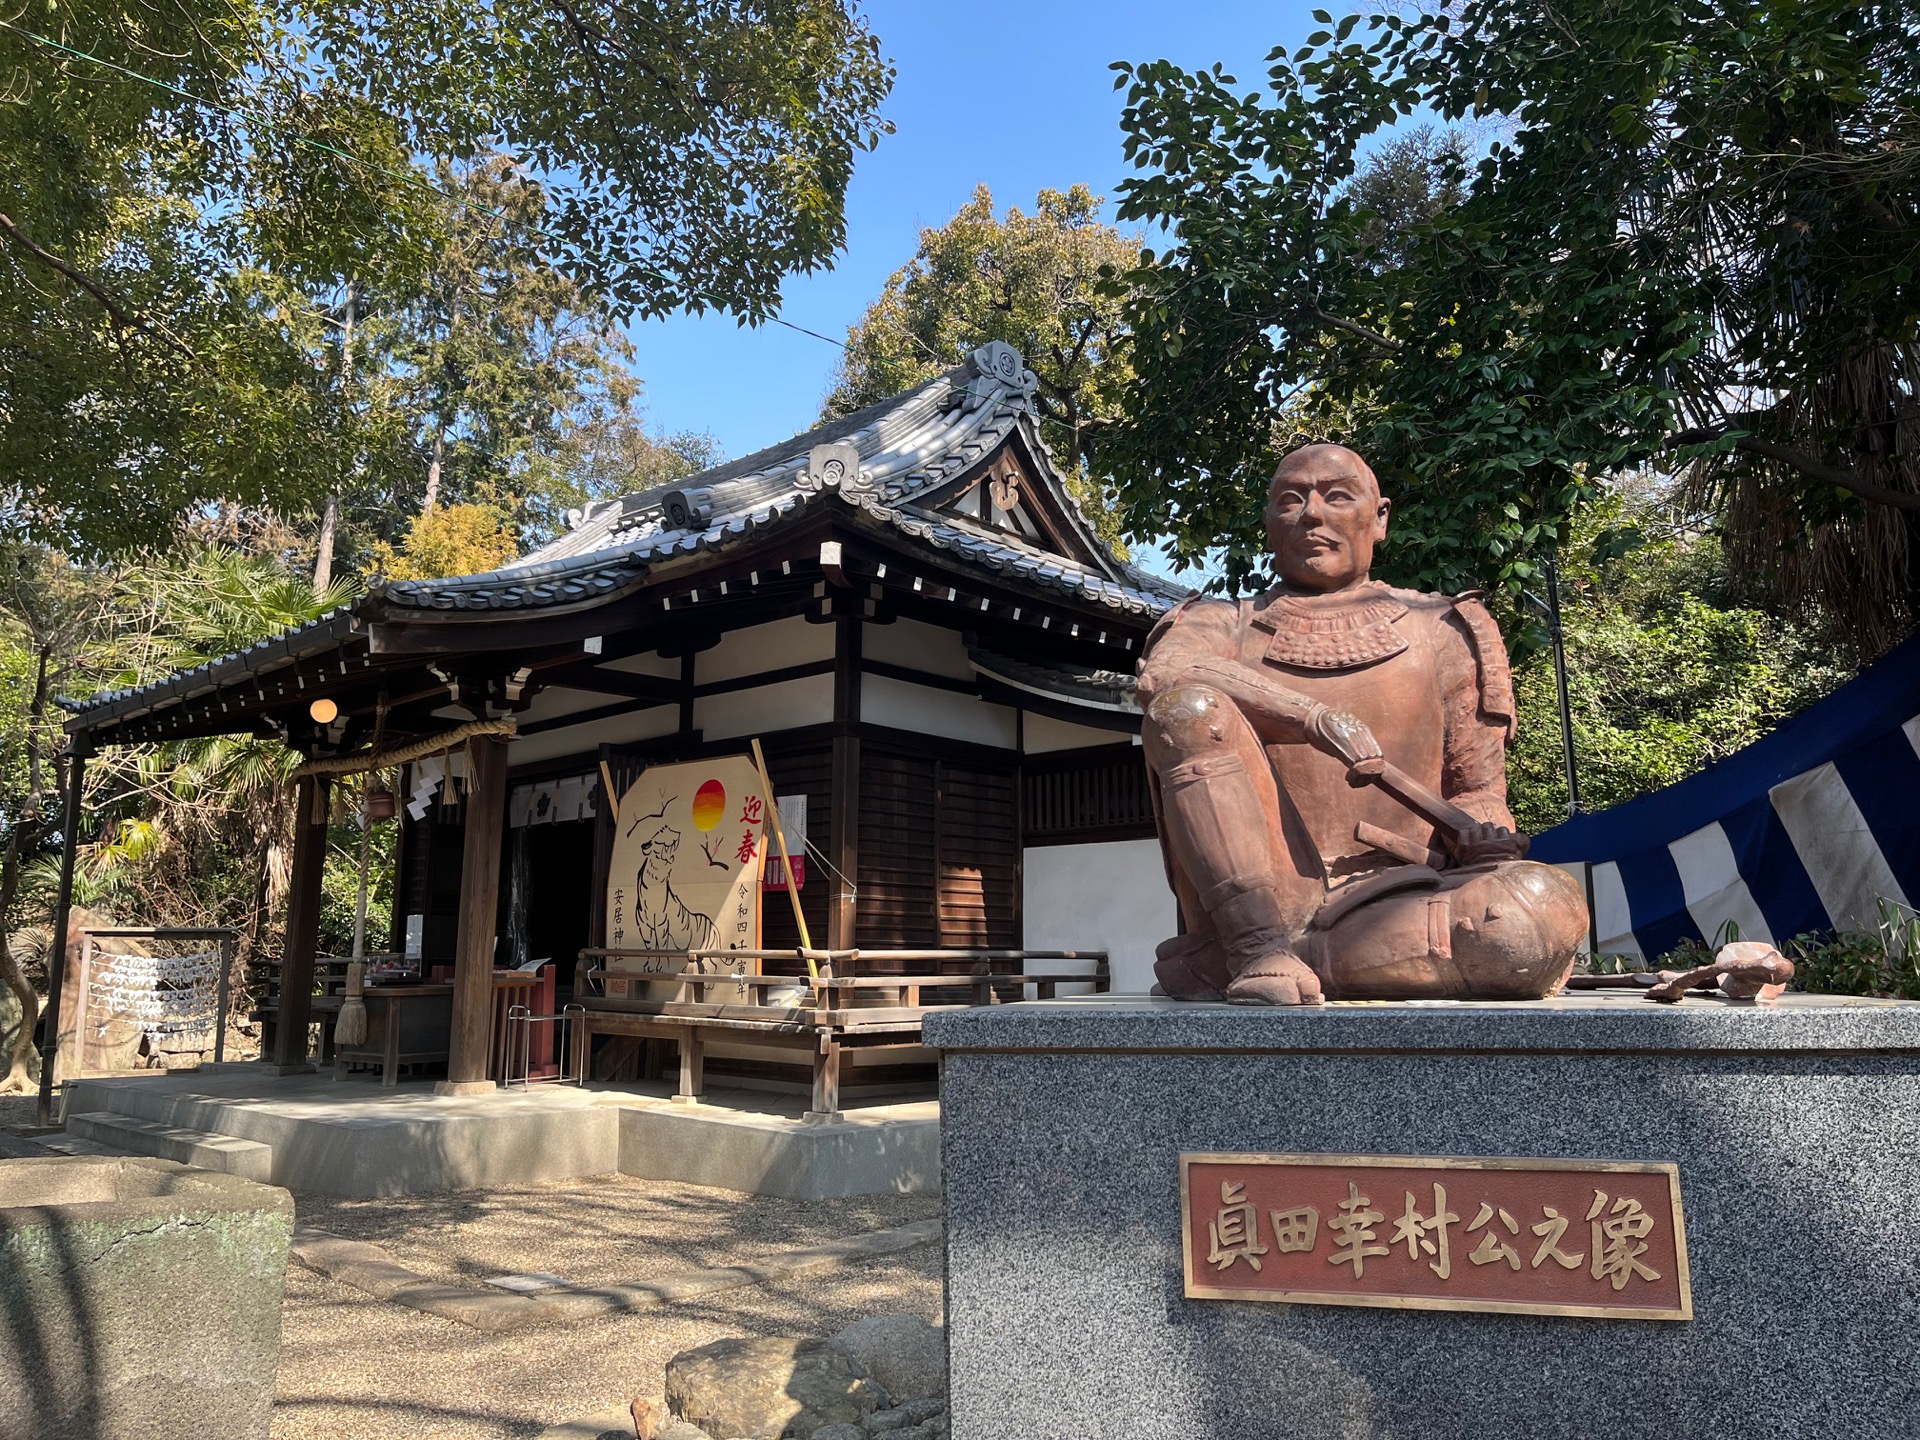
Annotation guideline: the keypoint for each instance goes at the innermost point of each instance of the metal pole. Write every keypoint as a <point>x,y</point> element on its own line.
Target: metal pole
<point>220,1018</point>
<point>62,913</point>
<point>1560,679</point>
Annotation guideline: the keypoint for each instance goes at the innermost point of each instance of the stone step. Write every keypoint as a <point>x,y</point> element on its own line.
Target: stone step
<point>249,1159</point>
<point>73,1145</point>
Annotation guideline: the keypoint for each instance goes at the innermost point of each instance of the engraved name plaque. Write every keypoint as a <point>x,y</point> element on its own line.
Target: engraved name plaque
<point>1523,1237</point>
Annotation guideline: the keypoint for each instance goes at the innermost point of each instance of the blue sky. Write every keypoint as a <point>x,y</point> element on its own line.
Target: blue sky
<point>1017,96</point>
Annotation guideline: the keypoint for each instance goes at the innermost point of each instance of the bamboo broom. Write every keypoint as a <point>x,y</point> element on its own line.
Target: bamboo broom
<point>350,1028</point>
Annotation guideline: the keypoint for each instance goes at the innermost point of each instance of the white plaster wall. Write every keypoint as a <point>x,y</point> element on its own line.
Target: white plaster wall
<point>1043,733</point>
<point>772,646</point>
<point>927,711</point>
<point>1110,896</point>
<point>765,709</point>
<point>641,724</point>
<point>918,646</point>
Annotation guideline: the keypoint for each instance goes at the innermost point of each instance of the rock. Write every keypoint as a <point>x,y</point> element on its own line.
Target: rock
<point>9,1028</point>
<point>763,1389</point>
<point>839,1432</point>
<point>882,1421</point>
<point>906,1355</point>
<point>924,1410</point>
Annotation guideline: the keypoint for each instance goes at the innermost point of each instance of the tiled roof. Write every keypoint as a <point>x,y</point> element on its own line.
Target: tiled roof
<point>895,452</point>
<point>881,461</point>
<point>268,655</point>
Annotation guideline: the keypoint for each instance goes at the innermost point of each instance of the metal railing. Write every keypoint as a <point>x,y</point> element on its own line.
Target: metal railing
<point>516,1039</point>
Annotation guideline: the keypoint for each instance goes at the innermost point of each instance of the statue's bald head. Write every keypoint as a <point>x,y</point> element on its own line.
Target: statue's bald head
<point>1325,459</point>
<point>1325,514</point>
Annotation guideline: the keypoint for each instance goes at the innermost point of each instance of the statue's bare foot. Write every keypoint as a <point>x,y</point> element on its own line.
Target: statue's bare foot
<point>1277,978</point>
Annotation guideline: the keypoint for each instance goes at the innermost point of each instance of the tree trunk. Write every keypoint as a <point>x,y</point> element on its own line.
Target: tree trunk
<point>25,831</point>
<point>330,517</point>
<point>323,557</point>
<point>20,1079</point>
<point>437,459</point>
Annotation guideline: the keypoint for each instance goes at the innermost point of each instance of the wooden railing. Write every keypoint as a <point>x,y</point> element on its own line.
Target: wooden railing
<point>909,982</point>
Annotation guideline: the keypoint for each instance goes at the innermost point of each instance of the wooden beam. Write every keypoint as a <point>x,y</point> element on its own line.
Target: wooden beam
<point>613,682</point>
<point>310,803</point>
<point>479,903</point>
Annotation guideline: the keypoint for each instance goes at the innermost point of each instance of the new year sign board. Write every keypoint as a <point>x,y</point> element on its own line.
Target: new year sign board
<point>688,844</point>
<point>1526,1237</point>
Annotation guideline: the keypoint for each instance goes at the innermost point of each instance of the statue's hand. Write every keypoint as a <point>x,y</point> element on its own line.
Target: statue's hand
<point>1339,732</point>
<point>1484,844</point>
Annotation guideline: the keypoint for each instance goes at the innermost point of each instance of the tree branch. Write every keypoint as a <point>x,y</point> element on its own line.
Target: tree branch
<point>1804,461</point>
<point>46,257</point>
<point>1372,337</point>
<point>122,318</point>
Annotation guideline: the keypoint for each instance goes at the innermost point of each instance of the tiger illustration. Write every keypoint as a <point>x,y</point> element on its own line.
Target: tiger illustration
<point>661,918</point>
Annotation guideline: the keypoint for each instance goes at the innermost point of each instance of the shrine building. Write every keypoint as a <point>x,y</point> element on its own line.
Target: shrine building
<point>905,607</point>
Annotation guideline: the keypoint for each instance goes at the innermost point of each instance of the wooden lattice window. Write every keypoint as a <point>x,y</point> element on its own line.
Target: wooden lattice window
<point>1080,796</point>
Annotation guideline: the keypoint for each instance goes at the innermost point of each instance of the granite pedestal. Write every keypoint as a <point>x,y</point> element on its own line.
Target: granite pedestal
<point>1795,1126</point>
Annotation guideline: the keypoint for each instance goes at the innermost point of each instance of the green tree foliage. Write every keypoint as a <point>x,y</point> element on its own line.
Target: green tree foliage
<point>1031,280</point>
<point>1696,240</point>
<point>176,257</point>
<point>194,832</point>
<point>1667,670</point>
<point>493,382</point>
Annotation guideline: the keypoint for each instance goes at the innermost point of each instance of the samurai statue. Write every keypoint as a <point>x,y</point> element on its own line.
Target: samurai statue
<point>1328,763</point>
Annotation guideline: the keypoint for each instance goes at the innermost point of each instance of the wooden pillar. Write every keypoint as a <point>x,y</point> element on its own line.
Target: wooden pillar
<point>310,803</point>
<point>693,1067</point>
<point>826,1080</point>
<point>844,807</point>
<point>479,907</point>
<point>62,918</point>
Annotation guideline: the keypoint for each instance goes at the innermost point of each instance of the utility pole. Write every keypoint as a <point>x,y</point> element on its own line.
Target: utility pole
<point>1560,680</point>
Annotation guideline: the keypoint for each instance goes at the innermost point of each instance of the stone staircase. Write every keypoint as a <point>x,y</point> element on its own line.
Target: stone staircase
<point>105,1132</point>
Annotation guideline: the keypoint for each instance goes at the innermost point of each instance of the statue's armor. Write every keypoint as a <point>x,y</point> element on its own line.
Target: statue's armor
<point>1398,661</point>
<point>1268,841</point>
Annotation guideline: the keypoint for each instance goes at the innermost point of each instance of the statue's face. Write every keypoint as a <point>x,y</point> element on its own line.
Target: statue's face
<point>1325,514</point>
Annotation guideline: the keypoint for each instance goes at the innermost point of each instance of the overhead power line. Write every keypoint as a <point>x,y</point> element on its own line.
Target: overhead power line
<point>408,176</point>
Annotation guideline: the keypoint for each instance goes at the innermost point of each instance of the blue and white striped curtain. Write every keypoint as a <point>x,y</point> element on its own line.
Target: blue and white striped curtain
<point>1805,830</point>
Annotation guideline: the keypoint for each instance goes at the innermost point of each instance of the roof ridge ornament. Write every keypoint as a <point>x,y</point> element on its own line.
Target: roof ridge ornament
<point>582,515</point>
<point>836,466</point>
<point>688,508</point>
<point>990,371</point>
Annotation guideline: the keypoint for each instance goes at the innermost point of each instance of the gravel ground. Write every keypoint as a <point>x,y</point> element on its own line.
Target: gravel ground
<point>351,1365</point>
<point>18,1110</point>
<point>599,1231</point>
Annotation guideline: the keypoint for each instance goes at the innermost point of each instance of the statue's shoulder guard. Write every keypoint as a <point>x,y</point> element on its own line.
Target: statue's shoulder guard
<point>1173,617</point>
<point>1490,654</point>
